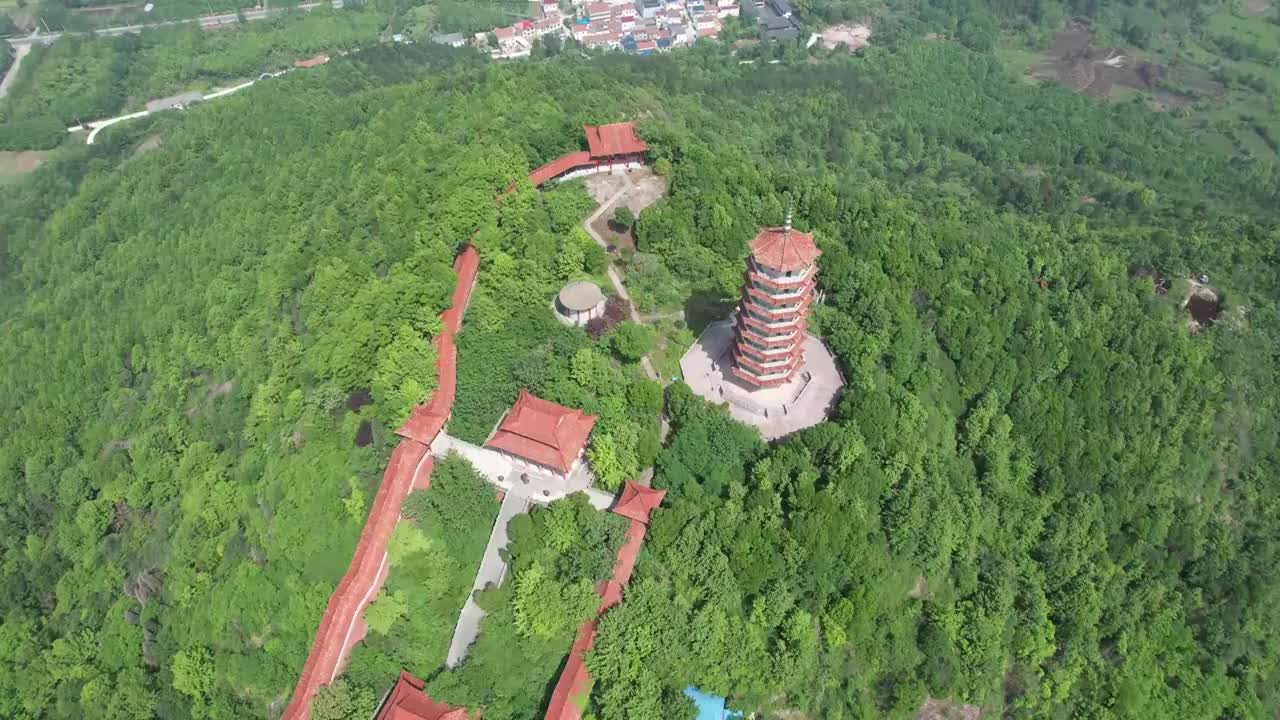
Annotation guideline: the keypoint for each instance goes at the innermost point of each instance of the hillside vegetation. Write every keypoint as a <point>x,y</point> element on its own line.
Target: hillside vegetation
<point>1041,493</point>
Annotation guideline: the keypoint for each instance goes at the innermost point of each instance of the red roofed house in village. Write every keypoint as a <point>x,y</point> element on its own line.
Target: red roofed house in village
<point>542,433</point>
<point>779,285</point>
<point>406,701</point>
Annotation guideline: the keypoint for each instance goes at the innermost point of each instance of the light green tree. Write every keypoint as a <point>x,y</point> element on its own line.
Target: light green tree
<point>383,612</point>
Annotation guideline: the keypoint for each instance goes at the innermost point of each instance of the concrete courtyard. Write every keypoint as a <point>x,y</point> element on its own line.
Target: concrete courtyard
<point>802,402</point>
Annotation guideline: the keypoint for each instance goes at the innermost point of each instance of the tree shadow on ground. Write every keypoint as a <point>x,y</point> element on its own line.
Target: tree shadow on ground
<point>704,307</point>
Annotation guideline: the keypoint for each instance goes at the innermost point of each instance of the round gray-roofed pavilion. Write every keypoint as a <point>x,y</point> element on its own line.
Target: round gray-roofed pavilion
<point>579,302</point>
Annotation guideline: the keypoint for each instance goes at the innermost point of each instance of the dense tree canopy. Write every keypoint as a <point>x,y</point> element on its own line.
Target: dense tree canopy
<point>1044,498</point>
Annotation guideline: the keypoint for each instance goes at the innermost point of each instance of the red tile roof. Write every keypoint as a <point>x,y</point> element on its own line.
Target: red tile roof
<point>406,701</point>
<point>615,139</point>
<point>784,249</point>
<point>628,553</point>
<point>543,432</point>
<point>560,166</point>
<point>638,501</point>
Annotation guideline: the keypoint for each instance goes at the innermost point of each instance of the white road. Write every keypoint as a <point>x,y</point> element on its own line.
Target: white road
<point>492,571</point>
<point>19,52</point>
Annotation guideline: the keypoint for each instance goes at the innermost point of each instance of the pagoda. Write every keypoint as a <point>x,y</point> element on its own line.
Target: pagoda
<point>769,335</point>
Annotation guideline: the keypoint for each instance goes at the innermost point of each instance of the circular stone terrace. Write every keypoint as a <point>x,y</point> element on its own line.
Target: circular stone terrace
<point>801,402</point>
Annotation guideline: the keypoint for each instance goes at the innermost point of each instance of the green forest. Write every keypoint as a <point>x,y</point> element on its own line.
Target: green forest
<point>1043,492</point>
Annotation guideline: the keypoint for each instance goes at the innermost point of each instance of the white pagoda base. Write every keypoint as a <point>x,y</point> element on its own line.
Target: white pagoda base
<point>801,402</point>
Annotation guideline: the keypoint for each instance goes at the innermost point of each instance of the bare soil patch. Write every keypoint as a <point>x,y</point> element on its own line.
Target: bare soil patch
<point>855,37</point>
<point>1255,8</point>
<point>920,588</point>
<point>1203,306</point>
<point>358,399</point>
<point>146,146</point>
<point>17,164</point>
<point>619,237</point>
<point>364,434</point>
<point>1073,60</point>
<point>641,188</point>
<point>644,188</point>
<point>934,709</point>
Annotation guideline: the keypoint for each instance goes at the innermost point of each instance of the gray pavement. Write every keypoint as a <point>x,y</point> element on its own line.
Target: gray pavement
<point>19,52</point>
<point>492,571</point>
<point>799,403</point>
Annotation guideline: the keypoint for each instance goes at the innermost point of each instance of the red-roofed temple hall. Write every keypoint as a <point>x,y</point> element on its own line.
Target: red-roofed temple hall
<point>542,433</point>
<point>770,333</point>
<point>608,147</point>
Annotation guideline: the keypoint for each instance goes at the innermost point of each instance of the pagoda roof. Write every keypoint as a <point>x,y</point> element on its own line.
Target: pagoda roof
<point>784,248</point>
<point>543,432</point>
<point>615,139</point>
<point>638,501</point>
<point>407,701</point>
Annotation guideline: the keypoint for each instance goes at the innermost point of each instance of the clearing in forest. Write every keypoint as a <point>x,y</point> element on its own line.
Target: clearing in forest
<point>855,37</point>
<point>642,188</point>
<point>13,165</point>
<point>1255,8</point>
<point>1073,60</point>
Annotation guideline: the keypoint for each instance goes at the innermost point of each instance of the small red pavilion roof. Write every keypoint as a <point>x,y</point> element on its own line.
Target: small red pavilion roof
<point>406,701</point>
<point>782,248</point>
<point>543,432</point>
<point>615,139</point>
<point>638,501</point>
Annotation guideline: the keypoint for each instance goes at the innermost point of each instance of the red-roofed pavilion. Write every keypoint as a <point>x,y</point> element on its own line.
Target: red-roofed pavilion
<point>407,701</point>
<point>543,433</point>
<point>638,501</point>
<point>780,278</point>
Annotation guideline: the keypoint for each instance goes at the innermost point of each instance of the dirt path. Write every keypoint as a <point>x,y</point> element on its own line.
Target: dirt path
<point>614,278</point>
<point>19,52</point>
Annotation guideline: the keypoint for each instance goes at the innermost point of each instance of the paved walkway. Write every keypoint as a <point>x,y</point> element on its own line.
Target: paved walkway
<point>492,571</point>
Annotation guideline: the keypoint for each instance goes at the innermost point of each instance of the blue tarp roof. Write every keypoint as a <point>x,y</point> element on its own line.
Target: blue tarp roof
<point>710,707</point>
